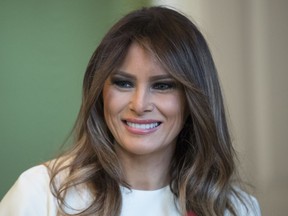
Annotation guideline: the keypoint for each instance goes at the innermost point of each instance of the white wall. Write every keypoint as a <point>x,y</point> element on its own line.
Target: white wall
<point>249,42</point>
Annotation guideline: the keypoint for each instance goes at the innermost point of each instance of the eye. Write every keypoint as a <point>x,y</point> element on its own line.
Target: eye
<point>122,83</point>
<point>162,86</point>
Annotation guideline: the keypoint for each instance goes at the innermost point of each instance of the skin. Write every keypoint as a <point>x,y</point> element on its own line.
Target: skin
<point>144,108</point>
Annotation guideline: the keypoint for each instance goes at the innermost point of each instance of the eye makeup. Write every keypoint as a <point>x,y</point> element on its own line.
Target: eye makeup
<point>161,83</point>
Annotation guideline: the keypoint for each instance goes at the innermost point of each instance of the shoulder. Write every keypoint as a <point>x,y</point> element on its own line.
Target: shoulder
<point>245,204</point>
<point>32,179</point>
<point>35,174</point>
<point>31,192</point>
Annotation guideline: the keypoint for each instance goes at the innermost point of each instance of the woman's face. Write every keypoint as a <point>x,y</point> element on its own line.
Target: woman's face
<point>144,107</point>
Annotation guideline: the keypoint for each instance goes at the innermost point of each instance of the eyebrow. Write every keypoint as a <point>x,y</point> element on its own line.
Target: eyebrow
<point>152,78</point>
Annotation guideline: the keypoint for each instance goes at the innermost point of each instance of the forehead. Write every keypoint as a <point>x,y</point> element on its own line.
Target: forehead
<point>140,59</point>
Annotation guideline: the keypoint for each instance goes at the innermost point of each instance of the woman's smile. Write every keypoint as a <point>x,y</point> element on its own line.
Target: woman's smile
<point>141,127</point>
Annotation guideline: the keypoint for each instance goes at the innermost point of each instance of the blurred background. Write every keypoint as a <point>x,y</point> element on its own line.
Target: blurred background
<point>45,47</point>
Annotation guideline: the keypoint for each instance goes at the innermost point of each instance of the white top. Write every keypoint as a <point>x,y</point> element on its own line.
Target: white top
<point>143,203</point>
<point>31,196</point>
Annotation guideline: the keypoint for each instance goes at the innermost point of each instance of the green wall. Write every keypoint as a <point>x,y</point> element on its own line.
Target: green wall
<point>44,50</point>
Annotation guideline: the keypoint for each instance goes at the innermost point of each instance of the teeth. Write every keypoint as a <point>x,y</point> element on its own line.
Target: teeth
<point>143,126</point>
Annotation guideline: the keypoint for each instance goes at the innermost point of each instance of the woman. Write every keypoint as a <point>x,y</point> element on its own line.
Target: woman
<point>151,135</point>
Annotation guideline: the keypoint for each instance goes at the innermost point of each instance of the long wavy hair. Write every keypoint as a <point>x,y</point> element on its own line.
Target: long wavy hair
<point>202,169</point>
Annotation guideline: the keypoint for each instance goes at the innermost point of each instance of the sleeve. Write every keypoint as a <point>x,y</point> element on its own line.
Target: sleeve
<point>30,195</point>
<point>247,206</point>
<point>256,207</point>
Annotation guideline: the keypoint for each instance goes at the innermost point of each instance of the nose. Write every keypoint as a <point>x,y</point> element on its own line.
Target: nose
<point>141,101</point>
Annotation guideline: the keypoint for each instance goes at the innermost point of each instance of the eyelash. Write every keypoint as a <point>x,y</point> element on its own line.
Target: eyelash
<point>164,86</point>
<point>123,83</point>
<point>159,86</point>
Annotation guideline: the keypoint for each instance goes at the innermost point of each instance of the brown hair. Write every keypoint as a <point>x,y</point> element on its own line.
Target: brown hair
<point>203,164</point>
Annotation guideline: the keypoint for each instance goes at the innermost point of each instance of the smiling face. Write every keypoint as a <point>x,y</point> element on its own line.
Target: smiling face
<point>144,107</point>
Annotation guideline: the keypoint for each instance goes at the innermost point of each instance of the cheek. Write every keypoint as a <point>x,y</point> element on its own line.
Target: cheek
<point>113,102</point>
<point>173,107</point>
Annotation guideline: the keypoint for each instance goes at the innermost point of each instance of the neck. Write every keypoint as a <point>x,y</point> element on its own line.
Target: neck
<point>146,172</point>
